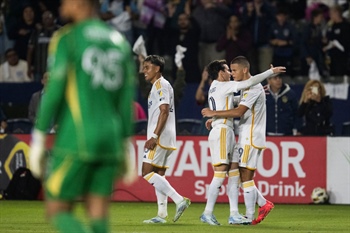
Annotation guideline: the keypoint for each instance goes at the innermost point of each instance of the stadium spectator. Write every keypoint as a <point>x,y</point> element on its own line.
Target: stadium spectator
<point>22,31</point>
<point>316,109</point>
<point>5,42</point>
<point>338,37</point>
<point>94,110</point>
<point>258,15</point>
<point>236,40</point>
<point>202,98</point>
<point>13,69</point>
<point>282,39</point>
<point>36,98</point>
<point>281,108</point>
<point>118,14</point>
<point>187,36</point>
<point>212,20</point>
<point>3,123</point>
<point>38,46</point>
<point>153,14</point>
<point>312,44</point>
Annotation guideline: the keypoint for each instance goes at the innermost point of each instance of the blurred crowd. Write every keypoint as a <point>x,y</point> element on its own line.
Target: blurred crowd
<point>311,38</point>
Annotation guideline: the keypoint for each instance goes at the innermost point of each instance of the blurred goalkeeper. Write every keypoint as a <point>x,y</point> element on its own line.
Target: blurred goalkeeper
<point>89,93</point>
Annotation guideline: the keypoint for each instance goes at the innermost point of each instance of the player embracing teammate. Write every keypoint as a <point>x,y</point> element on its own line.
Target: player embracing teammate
<point>251,141</point>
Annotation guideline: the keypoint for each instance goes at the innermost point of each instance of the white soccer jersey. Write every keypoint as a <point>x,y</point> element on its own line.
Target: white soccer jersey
<point>220,97</point>
<point>252,125</point>
<point>162,93</point>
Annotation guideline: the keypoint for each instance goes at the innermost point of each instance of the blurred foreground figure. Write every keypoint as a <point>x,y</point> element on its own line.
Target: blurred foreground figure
<point>89,94</point>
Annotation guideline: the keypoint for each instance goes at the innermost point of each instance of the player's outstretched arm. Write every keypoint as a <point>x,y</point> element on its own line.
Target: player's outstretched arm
<point>260,77</point>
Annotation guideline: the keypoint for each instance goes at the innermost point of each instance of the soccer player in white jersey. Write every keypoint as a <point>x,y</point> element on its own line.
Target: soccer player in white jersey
<point>251,141</point>
<point>222,140</point>
<point>161,139</point>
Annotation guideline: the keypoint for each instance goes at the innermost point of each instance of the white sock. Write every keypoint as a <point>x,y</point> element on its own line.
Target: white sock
<point>233,190</point>
<point>162,185</point>
<point>213,191</point>
<point>162,201</point>
<point>260,200</point>
<point>249,198</point>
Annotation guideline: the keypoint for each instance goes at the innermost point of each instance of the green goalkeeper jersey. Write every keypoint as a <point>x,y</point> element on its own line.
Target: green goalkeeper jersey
<point>90,92</point>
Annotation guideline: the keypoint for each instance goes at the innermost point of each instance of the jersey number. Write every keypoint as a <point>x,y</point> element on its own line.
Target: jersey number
<point>212,103</point>
<point>104,67</point>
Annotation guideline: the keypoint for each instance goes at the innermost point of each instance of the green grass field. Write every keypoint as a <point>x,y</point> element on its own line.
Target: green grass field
<point>28,217</point>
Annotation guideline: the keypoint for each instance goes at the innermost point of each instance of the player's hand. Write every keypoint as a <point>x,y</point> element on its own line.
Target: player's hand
<point>151,143</point>
<point>206,112</point>
<point>36,154</point>
<point>266,89</point>
<point>208,124</point>
<point>278,69</point>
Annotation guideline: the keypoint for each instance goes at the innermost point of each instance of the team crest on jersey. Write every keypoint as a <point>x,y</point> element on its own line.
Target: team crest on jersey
<point>160,93</point>
<point>284,99</point>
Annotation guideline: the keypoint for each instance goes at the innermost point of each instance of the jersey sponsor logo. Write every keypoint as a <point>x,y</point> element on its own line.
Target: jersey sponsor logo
<point>104,67</point>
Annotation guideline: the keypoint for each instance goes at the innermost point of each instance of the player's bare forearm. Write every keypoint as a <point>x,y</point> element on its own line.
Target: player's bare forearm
<point>163,117</point>
<point>226,113</point>
<point>232,113</point>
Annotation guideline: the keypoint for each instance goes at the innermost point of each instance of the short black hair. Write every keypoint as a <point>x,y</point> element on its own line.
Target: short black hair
<point>9,51</point>
<point>242,61</point>
<point>316,12</point>
<point>156,60</point>
<point>215,67</point>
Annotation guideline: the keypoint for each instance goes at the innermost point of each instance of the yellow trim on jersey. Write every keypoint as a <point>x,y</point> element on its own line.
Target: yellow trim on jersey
<point>57,37</point>
<point>155,165</point>
<point>250,168</point>
<point>158,85</point>
<point>218,164</point>
<point>55,181</point>
<point>148,176</point>
<point>152,153</point>
<point>246,152</point>
<point>233,173</point>
<point>248,184</point>
<point>73,103</point>
<point>226,109</point>
<point>223,143</point>
<point>251,131</point>
<point>73,97</point>
<point>219,174</point>
<point>165,147</point>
